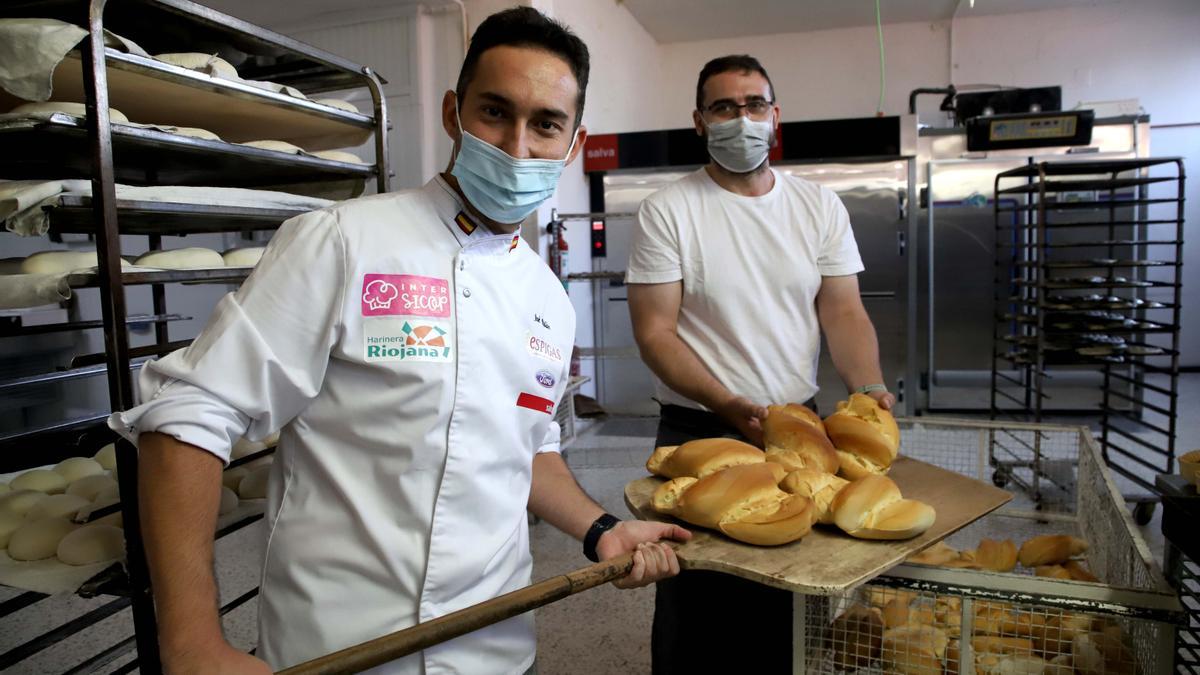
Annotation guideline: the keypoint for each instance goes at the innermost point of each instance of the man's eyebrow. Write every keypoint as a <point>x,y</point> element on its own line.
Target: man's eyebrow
<point>549,113</point>
<point>552,113</point>
<point>493,97</point>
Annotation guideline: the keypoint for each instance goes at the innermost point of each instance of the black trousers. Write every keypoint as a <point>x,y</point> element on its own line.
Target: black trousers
<point>710,622</point>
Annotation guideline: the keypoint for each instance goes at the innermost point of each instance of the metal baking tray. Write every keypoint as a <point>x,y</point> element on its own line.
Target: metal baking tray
<point>74,215</point>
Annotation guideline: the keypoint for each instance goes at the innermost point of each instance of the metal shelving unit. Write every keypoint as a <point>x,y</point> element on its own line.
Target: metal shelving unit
<point>67,147</point>
<point>1088,278</point>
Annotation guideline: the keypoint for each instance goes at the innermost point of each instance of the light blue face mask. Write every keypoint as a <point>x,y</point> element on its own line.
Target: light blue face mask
<point>741,144</point>
<point>502,187</point>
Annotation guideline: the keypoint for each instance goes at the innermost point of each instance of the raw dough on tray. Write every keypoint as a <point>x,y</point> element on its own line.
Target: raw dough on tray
<point>91,544</point>
<point>243,257</point>
<point>38,539</point>
<point>72,109</point>
<point>181,259</point>
<point>61,262</point>
<point>209,64</point>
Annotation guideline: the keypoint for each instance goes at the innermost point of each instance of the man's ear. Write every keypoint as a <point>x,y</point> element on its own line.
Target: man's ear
<point>699,122</point>
<point>580,141</point>
<point>449,116</point>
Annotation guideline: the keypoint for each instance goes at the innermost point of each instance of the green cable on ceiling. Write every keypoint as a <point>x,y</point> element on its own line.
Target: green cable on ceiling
<point>879,30</point>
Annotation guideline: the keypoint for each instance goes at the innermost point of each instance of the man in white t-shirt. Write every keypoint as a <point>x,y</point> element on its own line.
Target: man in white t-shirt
<point>734,272</point>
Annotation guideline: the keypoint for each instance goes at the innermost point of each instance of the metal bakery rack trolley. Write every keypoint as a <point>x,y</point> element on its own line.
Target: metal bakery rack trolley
<point>66,147</point>
<point>943,620</point>
<point>1088,280</point>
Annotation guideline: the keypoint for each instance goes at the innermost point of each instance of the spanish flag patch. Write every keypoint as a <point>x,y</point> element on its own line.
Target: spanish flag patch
<point>515,241</point>
<point>464,223</point>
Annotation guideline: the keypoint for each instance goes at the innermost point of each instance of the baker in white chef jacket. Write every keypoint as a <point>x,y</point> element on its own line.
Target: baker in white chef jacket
<point>411,348</point>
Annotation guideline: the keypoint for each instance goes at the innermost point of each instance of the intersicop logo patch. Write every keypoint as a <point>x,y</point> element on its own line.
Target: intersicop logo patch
<point>405,295</point>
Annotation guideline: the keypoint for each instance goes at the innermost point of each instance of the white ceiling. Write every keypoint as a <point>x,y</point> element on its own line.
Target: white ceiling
<point>690,20</point>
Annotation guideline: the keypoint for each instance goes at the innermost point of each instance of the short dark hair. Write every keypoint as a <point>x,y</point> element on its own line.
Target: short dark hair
<point>527,27</point>
<point>726,64</point>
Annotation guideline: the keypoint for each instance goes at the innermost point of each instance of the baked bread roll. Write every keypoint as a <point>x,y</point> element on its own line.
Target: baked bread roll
<point>914,649</point>
<point>701,457</point>
<point>1054,634</point>
<point>744,502</point>
<point>794,441</point>
<point>997,556</point>
<point>1052,572</point>
<point>857,635</point>
<point>895,613</point>
<point>799,411</point>
<point>1079,572</point>
<point>1104,652</point>
<point>866,436</point>
<point>1050,549</point>
<point>1009,664</point>
<point>817,485</point>
<point>872,508</point>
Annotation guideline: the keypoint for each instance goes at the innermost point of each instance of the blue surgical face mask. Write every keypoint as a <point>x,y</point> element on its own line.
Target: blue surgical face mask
<point>741,144</point>
<point>500,186</point>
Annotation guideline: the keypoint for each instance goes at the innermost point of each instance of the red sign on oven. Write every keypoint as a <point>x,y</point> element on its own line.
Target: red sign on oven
<point>600,153</point>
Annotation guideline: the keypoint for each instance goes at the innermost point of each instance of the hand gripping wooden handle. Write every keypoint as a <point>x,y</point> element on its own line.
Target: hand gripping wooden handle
<point>402,643</point>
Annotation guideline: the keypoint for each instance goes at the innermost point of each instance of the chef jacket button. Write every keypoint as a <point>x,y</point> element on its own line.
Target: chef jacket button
<point>466,292</point>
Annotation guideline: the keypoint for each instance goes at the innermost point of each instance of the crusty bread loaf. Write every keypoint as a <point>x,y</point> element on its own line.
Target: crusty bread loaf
<point>857,635</point>
<point>1050,549</point>
<point>817,485</point>
<point>873,508</point>
<point>701,457</point>
<point>1053,635</point>
<point>799,411</point>
<point>1104,652</point>
<point>997,556</point>
<point>913,649</point>
<point>797,439</point>
<point>938,554</point>
<point>1079,572</point>
<point>863,430</point>
<point>1009,664</point>
<point>895,612</point>
<point>1052,572</point>
<point>743,501</point>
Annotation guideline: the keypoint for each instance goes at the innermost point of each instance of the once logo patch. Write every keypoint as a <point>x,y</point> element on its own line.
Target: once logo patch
<point>545,378</point>
<point>405,295</point>
<point>391,340</point>
<point>541,348</point>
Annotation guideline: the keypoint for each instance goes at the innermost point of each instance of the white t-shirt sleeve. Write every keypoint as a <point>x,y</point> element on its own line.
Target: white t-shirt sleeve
<point>654,256</point>
<point>839,251</point>
<point>262,357</point>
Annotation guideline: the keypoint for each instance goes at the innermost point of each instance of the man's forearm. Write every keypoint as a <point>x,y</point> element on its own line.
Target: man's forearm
<point>556,497</point>
<point>854,348</point>
<point>680,369</point>
<point>179,489</point>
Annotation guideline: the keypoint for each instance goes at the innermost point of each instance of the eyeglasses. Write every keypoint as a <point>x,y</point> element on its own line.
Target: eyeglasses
<point>726,109</point>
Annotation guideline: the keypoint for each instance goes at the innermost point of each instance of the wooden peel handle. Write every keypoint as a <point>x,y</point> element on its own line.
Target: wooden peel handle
<point>410,640</point>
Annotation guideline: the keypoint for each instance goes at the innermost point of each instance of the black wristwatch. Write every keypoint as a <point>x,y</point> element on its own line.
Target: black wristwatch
<point>601,525</point>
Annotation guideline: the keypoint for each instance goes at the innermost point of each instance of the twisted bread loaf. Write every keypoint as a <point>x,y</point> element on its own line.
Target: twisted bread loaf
<point>873,508</point>
<point>817,485</point>
<point>865,435</point>
<point>795,438</point>
<point>701,457</point>
<point>744,502</point>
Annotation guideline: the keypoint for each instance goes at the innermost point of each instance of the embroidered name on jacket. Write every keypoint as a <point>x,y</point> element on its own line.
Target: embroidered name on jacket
<point>392,340</point>
<point>405,295</point>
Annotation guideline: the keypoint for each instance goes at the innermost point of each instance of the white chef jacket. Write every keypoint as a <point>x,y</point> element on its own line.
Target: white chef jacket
<point>413,362</point>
